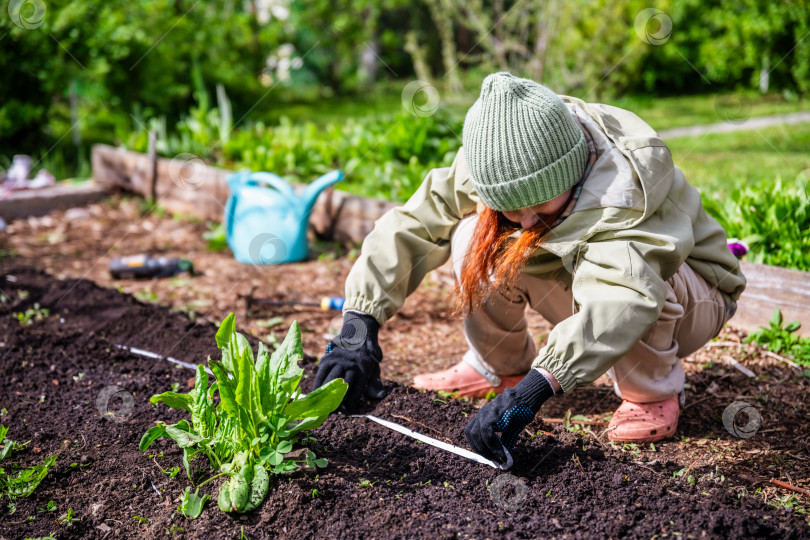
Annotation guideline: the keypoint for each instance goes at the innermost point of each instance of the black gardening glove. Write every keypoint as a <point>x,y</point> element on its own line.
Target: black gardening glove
<point>355,357</point>
<point>509,414</point>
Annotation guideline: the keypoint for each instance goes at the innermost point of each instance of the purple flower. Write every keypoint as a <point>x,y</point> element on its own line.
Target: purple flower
<point>737,247</point>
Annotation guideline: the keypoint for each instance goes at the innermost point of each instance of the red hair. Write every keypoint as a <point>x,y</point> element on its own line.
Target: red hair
<point>493,260</point>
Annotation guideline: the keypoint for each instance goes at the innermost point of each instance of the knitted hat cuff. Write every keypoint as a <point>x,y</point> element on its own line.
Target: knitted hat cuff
<point>540,186</point>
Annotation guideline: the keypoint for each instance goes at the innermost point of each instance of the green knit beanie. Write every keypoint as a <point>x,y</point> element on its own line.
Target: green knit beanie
<point>521,143</point>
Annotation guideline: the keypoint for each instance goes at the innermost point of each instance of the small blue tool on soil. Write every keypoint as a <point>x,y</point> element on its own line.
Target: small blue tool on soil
<point>327,303</point>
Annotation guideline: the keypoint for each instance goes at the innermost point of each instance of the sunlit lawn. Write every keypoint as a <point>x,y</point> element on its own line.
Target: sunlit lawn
<point>681,111</point>
<point>720,161</point>
<point>660,112</point>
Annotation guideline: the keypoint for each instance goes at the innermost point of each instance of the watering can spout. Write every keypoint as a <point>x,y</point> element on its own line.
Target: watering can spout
<point>310,194</point>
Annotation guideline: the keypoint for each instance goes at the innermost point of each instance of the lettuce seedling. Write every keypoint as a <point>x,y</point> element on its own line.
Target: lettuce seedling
<point>255,424</point>
<point>25,481</point>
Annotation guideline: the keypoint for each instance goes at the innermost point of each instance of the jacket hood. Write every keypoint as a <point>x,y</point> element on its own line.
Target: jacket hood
<point>650,164</point>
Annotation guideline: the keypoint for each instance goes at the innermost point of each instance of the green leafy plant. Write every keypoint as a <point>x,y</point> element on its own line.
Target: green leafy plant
<point>32,314</point>
<point>388,155</point>
<point>450,395</point>
<point>67,518</point>
<point>792,502</point>
<point>17,483</point>
<point>313,461</point>
<point>270,323</point>
<point>258,419</point>
<point>781,338</point>
<point>684,472</point>
<point>191,504</point>
<point>8,445</point>
<point>574,424</point>
<point>216,237</point>
<point>50,507</point>
<point>775,227</point>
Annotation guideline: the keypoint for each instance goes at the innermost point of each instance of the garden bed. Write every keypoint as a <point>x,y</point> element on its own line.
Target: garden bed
<point>377,484</point>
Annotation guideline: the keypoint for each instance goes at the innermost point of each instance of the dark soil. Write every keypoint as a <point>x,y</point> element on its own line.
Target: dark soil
<point>422,337</point>
<point>378,483</point>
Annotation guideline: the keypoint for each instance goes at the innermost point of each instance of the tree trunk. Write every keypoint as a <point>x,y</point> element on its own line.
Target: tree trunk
<point>765,74</point>
<point>369,62</point>
<point>418,57</point>
<point>444,24</point>
<point>370,50</point>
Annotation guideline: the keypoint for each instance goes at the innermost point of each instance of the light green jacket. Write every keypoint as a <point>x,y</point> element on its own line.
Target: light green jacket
<point>636,221</point>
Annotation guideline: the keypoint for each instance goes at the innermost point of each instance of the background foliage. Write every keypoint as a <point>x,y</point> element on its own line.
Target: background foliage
<point>772,217</point>
<point>119,62</point>
<point>300,87</point>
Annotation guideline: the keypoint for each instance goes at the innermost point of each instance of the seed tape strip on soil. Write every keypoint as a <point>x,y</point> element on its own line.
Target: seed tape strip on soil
<point>390,425</point>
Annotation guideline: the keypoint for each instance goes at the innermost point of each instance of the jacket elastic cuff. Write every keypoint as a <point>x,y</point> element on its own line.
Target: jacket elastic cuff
<point>565,378</point>
<point>358,303</point>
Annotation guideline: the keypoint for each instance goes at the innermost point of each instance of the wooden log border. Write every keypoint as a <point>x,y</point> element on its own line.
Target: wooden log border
<point>61,196</point>
<point>186,185</point>
<point>770,288</point>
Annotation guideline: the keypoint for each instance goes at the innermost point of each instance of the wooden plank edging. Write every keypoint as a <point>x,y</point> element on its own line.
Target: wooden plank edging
<point>60,196</point>
<point>186,185</point>
<point>770,288</point>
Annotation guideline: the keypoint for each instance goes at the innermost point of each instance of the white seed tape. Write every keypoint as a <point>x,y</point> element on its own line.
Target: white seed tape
<point>148,354</point>
<point>431,441</point>
<point>463,452</point>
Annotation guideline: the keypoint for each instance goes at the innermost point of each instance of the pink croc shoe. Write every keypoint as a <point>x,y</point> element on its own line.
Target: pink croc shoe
<point>644,422</point>
<point>462,378</point>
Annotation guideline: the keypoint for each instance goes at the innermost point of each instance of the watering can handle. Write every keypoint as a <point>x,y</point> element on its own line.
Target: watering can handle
<point>237,181</point>
<point>273,180</point>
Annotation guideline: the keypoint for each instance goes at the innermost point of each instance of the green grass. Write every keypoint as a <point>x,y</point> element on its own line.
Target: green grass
<point>660,112</point>
<point>681,111</point>
<point>720,162</point>
<point>336,109</point>
<point>383,99</point>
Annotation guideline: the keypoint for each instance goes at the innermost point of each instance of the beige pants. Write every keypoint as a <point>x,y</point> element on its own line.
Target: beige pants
<point>500,343</point>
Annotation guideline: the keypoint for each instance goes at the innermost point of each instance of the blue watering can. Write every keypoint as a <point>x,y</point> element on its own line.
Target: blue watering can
<point>268,225</point>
